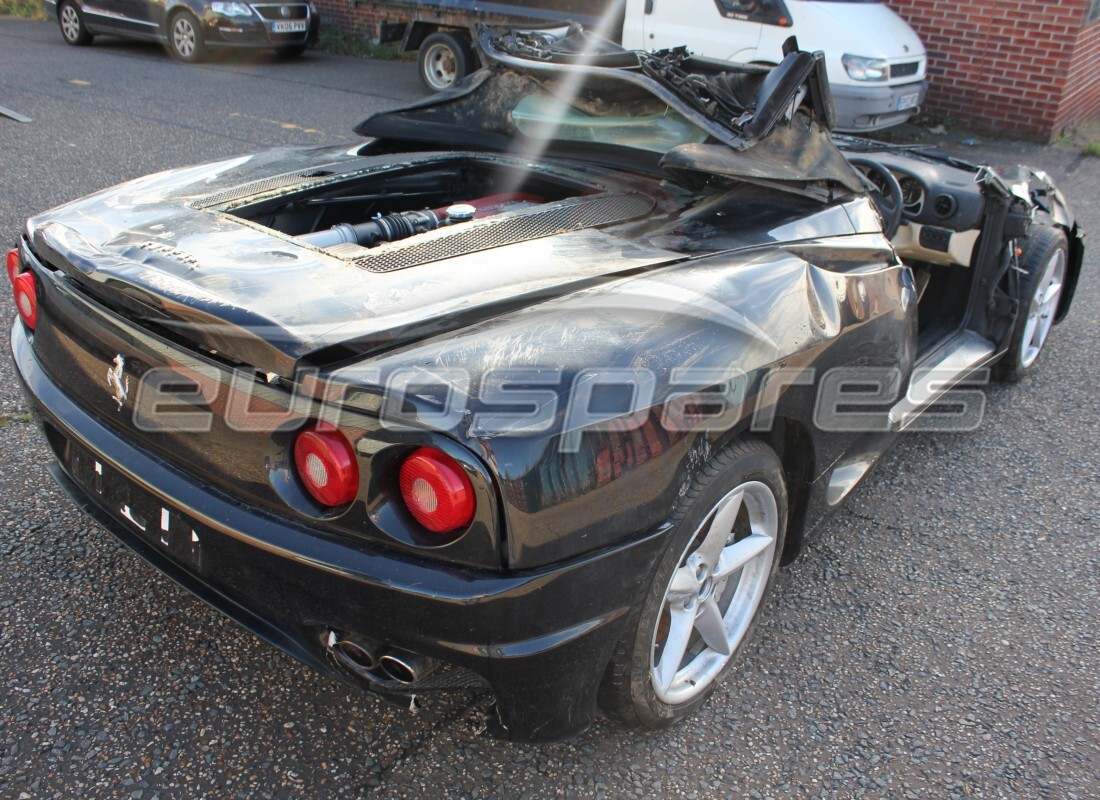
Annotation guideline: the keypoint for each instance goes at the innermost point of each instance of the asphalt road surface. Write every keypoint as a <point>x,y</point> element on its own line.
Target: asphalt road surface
<point>938,638</point>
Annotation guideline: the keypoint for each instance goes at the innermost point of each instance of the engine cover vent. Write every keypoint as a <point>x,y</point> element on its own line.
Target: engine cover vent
<point>574,214</point>
<point>259,187</point>
<point>161,249</point>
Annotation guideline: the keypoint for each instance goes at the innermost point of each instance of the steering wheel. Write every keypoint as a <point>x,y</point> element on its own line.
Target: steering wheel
<point>885,193</point>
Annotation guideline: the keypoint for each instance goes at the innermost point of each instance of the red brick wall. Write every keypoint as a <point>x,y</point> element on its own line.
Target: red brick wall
<point>1028,67</point>
<point>362,18</point>
<point>1081,96</point>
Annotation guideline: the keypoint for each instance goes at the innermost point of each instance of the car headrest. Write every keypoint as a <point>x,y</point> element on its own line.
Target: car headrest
<point>779,88</point>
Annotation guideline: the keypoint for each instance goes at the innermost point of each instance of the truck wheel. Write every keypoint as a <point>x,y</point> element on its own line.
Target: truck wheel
<point>444,60</point>
<point>706,593</point>
<point>1044,261</point>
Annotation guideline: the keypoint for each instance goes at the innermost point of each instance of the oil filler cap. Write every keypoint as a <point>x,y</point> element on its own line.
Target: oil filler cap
<point>461,212</point>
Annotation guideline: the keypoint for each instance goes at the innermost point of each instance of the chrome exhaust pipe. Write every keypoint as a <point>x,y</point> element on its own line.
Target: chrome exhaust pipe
<point>362,657</point>
<point>380,663</point>
<point>403,667</point>
<point>359,658</point>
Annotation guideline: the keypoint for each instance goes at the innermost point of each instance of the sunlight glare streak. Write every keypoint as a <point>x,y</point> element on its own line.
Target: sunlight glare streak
<point>567,89</point>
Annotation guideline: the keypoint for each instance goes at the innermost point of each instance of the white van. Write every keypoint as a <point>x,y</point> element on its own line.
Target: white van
<point>876,62</point>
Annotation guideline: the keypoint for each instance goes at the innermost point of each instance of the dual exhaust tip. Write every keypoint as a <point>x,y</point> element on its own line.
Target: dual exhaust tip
<point>390,664</point>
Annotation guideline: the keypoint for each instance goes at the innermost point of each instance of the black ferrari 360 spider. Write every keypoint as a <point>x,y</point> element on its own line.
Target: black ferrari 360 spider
<point>531,392</point>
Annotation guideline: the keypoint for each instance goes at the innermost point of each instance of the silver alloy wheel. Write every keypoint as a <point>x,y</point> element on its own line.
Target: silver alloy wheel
<point>183,36</point>
<point>714,593</point>
<point>440,66</point>
<point>70,23</point>
<point>1044,305</point>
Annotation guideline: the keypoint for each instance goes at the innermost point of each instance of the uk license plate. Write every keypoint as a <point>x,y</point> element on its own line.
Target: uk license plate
<point>908,101</point>
<point>161,526</point>
<point>289,26</point>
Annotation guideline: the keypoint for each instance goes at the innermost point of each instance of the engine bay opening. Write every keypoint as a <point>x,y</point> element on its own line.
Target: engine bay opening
<point>350,215</point>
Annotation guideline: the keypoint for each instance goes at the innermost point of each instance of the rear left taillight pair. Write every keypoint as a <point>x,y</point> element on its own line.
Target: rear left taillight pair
<point>23,289</point>
<point>433,486</point>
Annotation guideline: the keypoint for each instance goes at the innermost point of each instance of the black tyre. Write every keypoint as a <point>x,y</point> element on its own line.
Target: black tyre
<point>185,41</point>
<point>705,595</point>
<point>71,21</point>
<point>1044,261</point>
<point>445,59</point>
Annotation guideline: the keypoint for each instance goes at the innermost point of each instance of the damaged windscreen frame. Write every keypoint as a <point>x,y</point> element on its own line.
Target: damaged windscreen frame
<point>543,92</point>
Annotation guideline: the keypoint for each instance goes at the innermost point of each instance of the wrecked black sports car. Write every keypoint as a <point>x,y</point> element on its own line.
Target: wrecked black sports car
<point>533,391</point>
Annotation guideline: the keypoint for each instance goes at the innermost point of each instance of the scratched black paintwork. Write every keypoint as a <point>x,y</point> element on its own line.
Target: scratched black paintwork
<point>746,277</point>
<point>742,280</point>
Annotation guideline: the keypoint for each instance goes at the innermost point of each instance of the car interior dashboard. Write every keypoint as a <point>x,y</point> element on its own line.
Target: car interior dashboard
<point>941,211</point>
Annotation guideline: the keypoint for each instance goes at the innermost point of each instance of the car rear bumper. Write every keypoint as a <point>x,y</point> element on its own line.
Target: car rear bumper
<point>869,108</point>
<point>539,640</point>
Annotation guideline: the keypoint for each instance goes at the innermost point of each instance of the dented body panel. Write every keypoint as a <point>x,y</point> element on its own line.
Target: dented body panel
<point>582,324</point>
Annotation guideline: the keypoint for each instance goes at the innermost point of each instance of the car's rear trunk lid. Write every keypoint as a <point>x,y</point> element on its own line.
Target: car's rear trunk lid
<point>257,299</point>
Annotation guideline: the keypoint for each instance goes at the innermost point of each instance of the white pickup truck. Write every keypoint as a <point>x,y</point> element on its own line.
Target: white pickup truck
<point>876,63</point>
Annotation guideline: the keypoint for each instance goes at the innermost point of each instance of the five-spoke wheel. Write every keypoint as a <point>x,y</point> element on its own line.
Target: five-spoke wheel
<point>706,592</point>
<point>714,593</point>
<point>1043,264</point>
<point>1044,303</point>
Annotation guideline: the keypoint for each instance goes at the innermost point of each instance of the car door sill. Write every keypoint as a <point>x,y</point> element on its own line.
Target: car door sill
<point>935,375</point>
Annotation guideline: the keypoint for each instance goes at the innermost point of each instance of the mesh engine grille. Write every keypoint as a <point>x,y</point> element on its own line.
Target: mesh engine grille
<point>521,226</point>
<point>259,187</point>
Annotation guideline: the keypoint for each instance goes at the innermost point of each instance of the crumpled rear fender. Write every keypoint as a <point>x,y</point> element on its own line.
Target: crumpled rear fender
<point>576,482</point>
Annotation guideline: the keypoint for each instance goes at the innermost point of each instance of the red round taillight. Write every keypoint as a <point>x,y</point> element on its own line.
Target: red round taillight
<point>327,466</point>
<point>436,491</point>
<point>26,301</point>
<point>13,264</point>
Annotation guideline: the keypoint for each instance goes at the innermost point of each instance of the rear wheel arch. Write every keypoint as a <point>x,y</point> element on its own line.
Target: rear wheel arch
<point>792,442</point>
<point>417,32</point>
